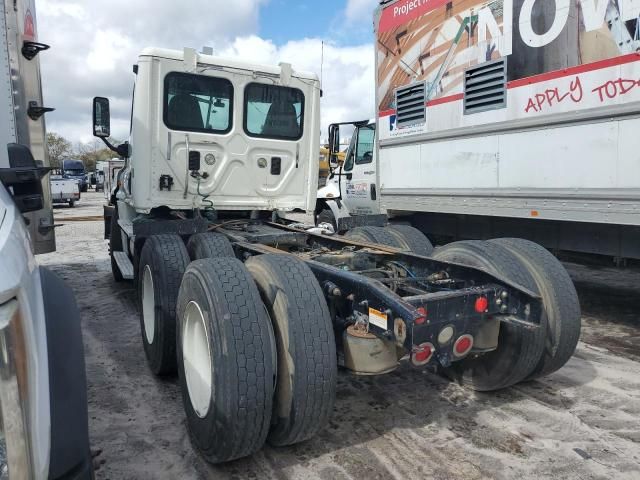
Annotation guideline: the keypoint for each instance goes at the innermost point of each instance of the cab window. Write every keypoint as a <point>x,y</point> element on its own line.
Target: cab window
<point>364,147</point>
<point>271,111</point>
<point>197,103</point>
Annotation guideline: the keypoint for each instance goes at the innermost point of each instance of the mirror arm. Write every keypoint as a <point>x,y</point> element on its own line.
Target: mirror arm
<point>123,150</point>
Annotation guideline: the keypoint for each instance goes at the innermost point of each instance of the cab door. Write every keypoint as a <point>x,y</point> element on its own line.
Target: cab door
<point>359,189</point>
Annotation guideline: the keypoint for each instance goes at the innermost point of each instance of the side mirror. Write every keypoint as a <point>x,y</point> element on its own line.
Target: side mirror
<point>23,178</point>
<point>334,143</point>
<point>101,117</point>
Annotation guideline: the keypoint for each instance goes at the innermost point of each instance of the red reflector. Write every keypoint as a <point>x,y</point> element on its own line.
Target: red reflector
<point>423,353</point>
<point>423,318</point>
<point>463,345</point>
<point>482,304</point>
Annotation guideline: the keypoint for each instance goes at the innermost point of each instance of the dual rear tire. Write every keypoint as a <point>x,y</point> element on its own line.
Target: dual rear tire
<point>253,344</point>
<point>521,354</point>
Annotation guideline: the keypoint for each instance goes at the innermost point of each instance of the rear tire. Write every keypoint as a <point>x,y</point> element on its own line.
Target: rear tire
<point>209,245</point>
<point>377,235</point>
<point>163,261</point>
<point>115,245</point>
<point>519,349</point>
<point>307,370</point>
<point>560,301</point>
<point>226,359</point>
<point>411,239</point>
<point>72,203</point>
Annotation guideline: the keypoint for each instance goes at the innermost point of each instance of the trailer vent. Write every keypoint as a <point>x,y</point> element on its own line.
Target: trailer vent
<point>410,104</point>
<point>485,87</point>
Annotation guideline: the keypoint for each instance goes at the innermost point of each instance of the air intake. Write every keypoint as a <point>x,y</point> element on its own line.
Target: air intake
<point>410,105</point>
<point>485,87</point>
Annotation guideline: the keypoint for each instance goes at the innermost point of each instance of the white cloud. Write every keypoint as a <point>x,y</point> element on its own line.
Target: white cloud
<point>93,48</point>
<point>360,11</point>
<point>348,72</point>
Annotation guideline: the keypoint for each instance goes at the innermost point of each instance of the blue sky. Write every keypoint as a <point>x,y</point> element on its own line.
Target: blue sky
<point>284,20</point>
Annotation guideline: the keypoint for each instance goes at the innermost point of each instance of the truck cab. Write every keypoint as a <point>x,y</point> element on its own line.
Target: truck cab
<point>74,170</point>
<point>352,188</point>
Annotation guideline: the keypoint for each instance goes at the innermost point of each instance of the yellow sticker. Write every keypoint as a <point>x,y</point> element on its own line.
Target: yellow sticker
<point>377,318</point>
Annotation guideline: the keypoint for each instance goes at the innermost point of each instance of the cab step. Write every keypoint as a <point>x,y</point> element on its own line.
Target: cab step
<point>124,264</point>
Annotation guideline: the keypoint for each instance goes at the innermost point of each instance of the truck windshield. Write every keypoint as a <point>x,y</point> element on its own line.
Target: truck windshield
<point>197,103</point>
<point>74,172</point>
<point>271,111</point>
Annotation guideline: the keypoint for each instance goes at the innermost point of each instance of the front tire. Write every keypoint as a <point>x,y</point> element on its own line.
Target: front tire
<point>519,349</point>
<point>163,261</point>
<point>307,370</point>
<point>226,359</point>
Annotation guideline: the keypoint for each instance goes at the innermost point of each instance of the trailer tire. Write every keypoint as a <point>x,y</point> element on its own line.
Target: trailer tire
<point>307,369</point>
<point>163,261</point>
<point>226,359</point>
<point>377,235</point>
<point>115,245</point>
<point>209,245</point>
<point>519,349</point>
<point>411,239</point>
<point>560,301</point>
<point>72,203</point>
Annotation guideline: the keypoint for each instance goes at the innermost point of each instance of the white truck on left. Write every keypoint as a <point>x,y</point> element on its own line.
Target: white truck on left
<point>64,190</point>
<point>43,395</point>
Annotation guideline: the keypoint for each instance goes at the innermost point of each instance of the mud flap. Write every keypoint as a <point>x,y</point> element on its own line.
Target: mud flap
<point>70,454</point>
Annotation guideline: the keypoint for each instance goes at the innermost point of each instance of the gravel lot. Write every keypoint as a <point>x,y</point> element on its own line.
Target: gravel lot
<point>582,422</point>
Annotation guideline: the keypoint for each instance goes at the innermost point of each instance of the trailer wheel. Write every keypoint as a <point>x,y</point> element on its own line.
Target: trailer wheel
<point>377,235</point>
<point>411,239</point>
<point>163,260</point>
<point>115,245</point>
<point>209,245</point>
<point>519,349</point>
<point>560,301</point>
<point>72,203</point>
<point>226,359</point>
<point>307,371</point>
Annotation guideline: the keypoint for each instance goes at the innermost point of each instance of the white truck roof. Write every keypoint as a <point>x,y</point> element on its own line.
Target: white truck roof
<point>223,62</point>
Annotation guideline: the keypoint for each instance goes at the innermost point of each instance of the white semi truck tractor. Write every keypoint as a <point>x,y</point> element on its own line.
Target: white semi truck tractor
<point>43,392</point>
<point>255,313</point>
<point>502,118</point>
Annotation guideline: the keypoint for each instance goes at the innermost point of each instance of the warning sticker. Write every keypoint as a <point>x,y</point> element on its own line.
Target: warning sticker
<point>377,318</point>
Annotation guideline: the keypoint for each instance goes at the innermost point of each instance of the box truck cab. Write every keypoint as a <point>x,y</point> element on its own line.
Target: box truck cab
<point>74,170</point>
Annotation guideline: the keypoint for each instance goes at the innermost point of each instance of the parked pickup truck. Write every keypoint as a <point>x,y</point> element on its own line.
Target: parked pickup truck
<point>64,191</point>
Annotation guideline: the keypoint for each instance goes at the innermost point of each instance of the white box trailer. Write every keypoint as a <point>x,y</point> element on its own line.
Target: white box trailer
<point>511,117</point>
<point>21,110</point>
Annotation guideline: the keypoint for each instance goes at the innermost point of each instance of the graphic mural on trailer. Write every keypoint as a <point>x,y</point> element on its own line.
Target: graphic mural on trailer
<point>437,40</point>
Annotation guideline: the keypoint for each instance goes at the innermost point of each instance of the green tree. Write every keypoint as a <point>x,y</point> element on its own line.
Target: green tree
<point>92,152</point>
<point>58,148</point>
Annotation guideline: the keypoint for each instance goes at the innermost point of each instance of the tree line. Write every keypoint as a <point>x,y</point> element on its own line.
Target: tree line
<point>59,149</point>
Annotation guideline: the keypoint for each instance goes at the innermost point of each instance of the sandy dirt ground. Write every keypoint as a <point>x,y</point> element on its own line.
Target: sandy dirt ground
<point>582,422</point>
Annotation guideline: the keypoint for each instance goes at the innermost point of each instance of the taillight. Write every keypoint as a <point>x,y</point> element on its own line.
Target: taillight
<point>422,354</point>
<point>423,316</point>
<point>482,304</point>
<point>463,346</point>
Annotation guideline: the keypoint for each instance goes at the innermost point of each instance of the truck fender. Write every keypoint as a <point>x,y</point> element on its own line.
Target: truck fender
<point>70,453</point>
<point>336,206</point>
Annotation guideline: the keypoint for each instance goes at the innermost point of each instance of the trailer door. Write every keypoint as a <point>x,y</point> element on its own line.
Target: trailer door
<point>359,188</point>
